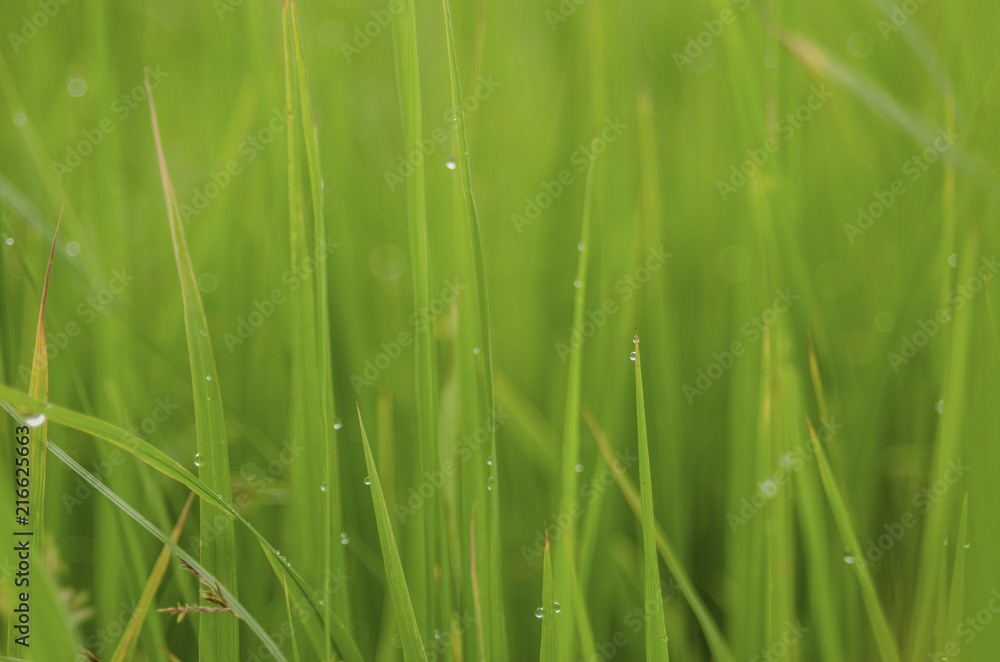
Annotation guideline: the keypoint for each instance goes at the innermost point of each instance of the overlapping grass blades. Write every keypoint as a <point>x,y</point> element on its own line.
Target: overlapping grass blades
<point>126,645</point>
<point>656,633</point>
<point>495,628</point>
<point>304,596</point>
<point>218,638</point>
<point>413,648</point>
<point>231,600</point>
<point>317,487</point>
<point>58,640</point>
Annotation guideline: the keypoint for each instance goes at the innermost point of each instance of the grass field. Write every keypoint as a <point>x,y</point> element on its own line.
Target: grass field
<point>557,331</point>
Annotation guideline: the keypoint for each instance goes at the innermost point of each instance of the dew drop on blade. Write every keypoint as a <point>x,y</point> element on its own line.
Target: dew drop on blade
<point>368,480</point>
<point>197,460</point>
<point>556,607</point>
<point>35,420</point>
<point>539,612</point>
<point>632,356</point>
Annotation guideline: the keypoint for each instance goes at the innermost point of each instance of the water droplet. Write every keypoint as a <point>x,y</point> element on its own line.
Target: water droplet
<point>953,260</point>
<point>337,424</point>
<point>539,612</point>
<point>77,87</point>
<point>322,487</point>
<point>576,283</point>
<point>475,350</point>
<point>368,480</point>
<point>19,119</point>
<point>579,468</point>
<point>197,460</point>
<point>34,421</point>
<point>208,283</point>
<point>437,634</point>
<point>489,460</point>
<point>10,241</point>
<point>632,356</point>
<point>848,559</point>
<point>939,406</point>
<point>450,163</point>
<point>344,540</point>
<point>579,246</point>
<point>556,607</point>
<point>72,248</point>
<point>946,541</point>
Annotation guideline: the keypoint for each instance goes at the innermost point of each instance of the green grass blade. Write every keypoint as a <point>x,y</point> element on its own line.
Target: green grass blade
<point>291,626</point>
<point>38,387</point>
<point>218,638</point>
<point>413,649</point>
<point>956,594</point>
<point>713,634</point>
<point>49,612</point>
<point>225,591</point>
<point>126,645</point>
<point>880,626</point>
<point>550,633</point>
<point>566,562</point>
<point>497,643</point>
<point>656,633</point>
<point>314,381</point>
<point>408,69</point>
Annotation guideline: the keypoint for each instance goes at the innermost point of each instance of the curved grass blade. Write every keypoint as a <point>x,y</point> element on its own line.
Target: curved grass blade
<point>713,635</point>
<point>880,626</point>
<point>225,591</point>
<point>305,596</point>
<point>497,644</point>
<point>413,649</point>
<point>126,646</point>
<point>218,638</point>
<point>550,633</point>
<point>656,632</point>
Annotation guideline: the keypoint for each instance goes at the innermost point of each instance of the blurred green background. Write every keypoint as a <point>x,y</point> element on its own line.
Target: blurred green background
<point>832,111</point>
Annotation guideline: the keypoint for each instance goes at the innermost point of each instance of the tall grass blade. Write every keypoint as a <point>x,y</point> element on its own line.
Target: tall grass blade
<point>656,633</point>
<point>319,491</point>
<point>880,626</point>
<point>497,644</point>
<point>218,638</point>
<point>423,537</point>
<point>713,634</point>
<point>413,649</point>
<point>550,633</point>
